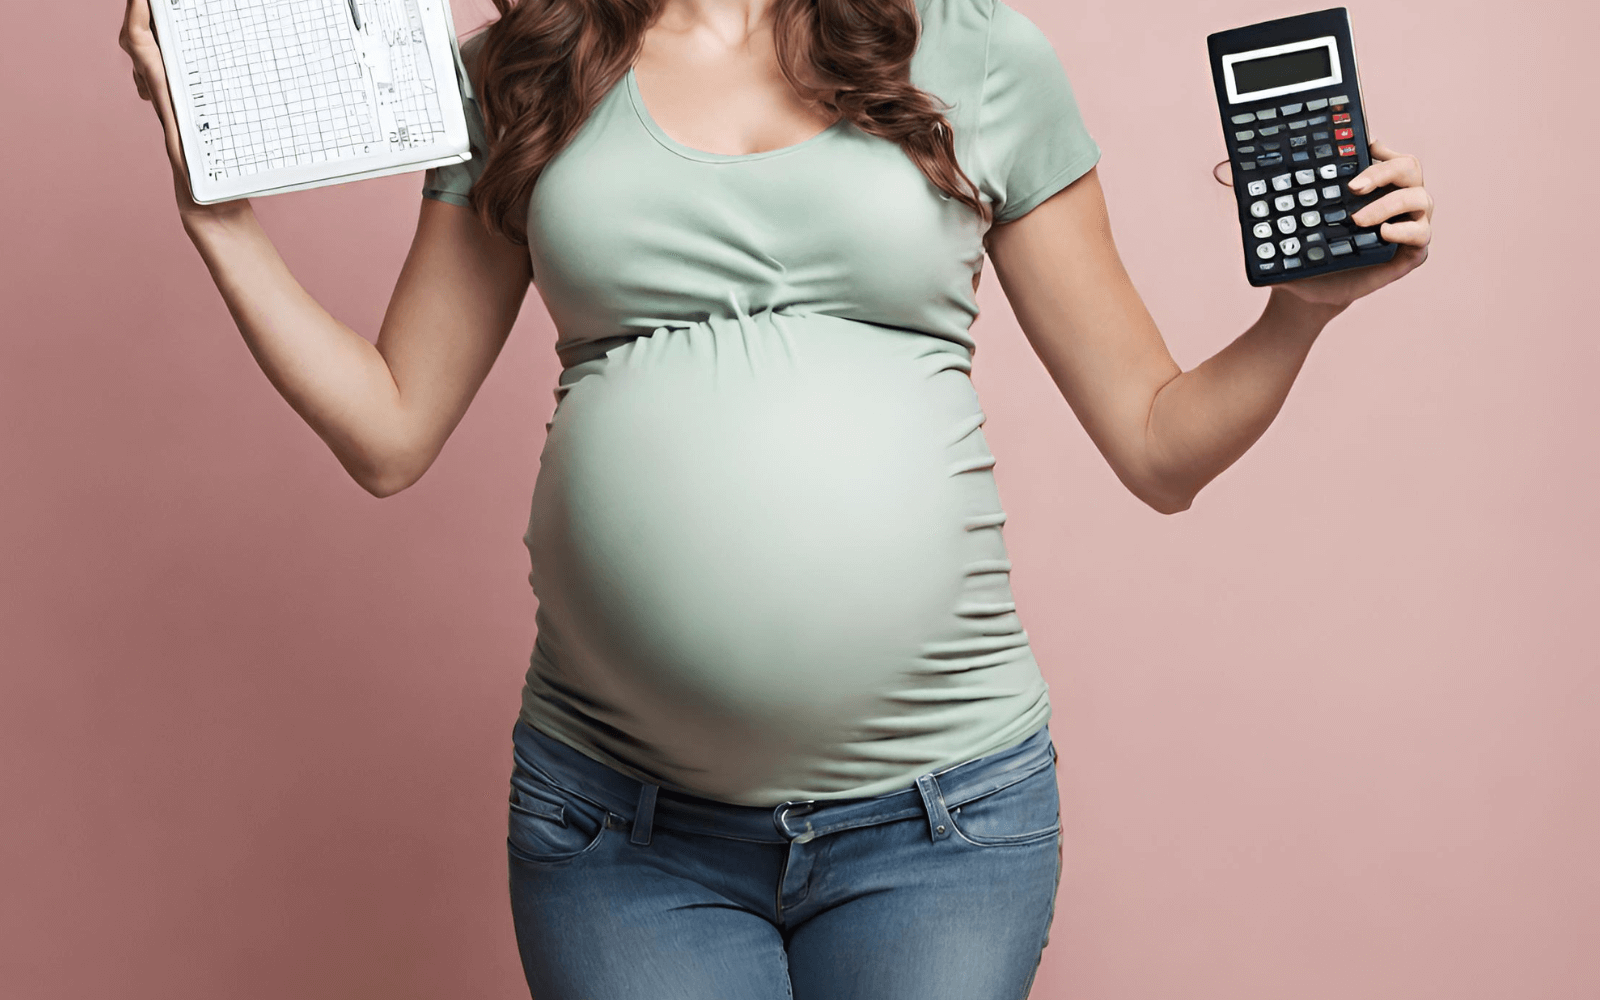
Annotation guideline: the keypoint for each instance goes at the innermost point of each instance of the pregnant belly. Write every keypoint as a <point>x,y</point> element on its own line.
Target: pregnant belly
<point>757,538</point>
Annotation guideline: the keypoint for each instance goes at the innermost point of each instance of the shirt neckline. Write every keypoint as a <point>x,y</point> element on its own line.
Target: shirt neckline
<point>689,152</point>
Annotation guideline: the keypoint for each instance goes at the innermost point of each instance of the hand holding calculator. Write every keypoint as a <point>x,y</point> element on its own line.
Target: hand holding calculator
<point>1297,132</point>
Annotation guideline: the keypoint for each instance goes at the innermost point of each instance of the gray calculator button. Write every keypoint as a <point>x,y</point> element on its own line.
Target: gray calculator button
<point>1243,119</point>
<point>1242,136</point>
<point>1300,157</point>
<point>1286,224</point>
<point>1337,215</point>
<point>1260,209</point>
<point>1308,197</point>
<point>1266,265</point>
<point>1348,167</point>
<point>1257,188</point>
<point>1265,250</point>
<point>1265,113</point>
<point>1284,203</point>
<point>1269,129</point>
<point>1340,248</point>
<point>1304,176</point>
<point>1245,149</point>
<point>1321,136</point>
<point>1289,246</point>
<point>1366,239</point>
<point>1311,219</point>
<point>1290,109</point>
<point>1247,165</point>
<point>1297,141</point>
<point>1269,159</point>
<point>1315,254</point>
<point>1262,231</point>
<point>1271,146</point>
<point>1319,120</point>
<point>1323,151</point>
<point>1328,171</point>
<point>1331,191</point>
<point>1341,99</point>
<point>1290,263</point>
<point>1317,105</point>
<point>1282,182</point>
<point>1301,123</point>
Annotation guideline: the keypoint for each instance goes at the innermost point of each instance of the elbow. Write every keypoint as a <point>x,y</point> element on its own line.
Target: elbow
<point>1166,499</point>
<point>391,475</point>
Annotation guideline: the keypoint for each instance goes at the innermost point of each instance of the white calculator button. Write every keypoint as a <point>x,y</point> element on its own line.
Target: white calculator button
<point>1283,182</point>
<point>1290,109</point>
<point>1286,225</point>
<point>1310,219</point>
<point>1290,245</point>
<point>1305,176</point>
<point>1260,187</point>
<point>1285,203</point>
<point>1316,105</point>
<point>1247,118</point>
<point>1263,230</point>
<point>1328,171</point>
<point>1265,250</point>
<point>1307,197</point>
<point>1331,192</point>
<point>1242,136</point>
<point>1259,209</point>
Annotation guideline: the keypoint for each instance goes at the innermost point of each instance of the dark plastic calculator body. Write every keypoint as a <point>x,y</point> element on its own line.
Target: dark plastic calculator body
<point>1296,131</point>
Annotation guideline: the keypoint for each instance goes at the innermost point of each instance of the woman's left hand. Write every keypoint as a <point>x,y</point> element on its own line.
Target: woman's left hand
<point>1409,209</point>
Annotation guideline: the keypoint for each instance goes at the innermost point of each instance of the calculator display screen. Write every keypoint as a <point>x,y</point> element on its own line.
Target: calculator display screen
<point>1282,69</point>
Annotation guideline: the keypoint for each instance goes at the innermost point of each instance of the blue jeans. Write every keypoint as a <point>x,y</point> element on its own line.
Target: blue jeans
<point>621,890</point>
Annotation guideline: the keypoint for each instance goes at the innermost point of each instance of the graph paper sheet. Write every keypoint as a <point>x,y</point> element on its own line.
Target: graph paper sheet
<point>283,95</point>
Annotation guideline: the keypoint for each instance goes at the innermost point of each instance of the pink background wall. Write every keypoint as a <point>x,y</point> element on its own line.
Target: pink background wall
<point>1331,733</point>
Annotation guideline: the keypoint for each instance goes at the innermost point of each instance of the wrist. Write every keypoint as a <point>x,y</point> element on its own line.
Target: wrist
<point>1290,312</point>
<point>213,220</point>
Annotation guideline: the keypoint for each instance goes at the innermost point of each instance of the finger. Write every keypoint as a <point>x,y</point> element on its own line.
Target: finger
<point>1410,232</point>
<point>1404,199</point>
<point>1388,167</point>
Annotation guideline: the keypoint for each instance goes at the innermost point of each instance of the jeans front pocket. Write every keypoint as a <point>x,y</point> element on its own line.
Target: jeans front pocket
<point>1025,811</point>
<point>547,823</point>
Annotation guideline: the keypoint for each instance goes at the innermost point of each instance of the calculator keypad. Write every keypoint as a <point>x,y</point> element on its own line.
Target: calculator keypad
<point>1297,219</point>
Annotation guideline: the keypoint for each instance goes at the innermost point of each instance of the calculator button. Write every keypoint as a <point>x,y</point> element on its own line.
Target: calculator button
<point>1340,248</point>
<point>1344,133</point>
<point>1262,231</point>
<point>1304,176</point>
<point>1289,246</point>
<point>1311,219</point>
<point>1265,250</point>
<point>1290,109</point>
<point>1334,233</point>
<point>1337,215</point>
<point>1243,119</point>
<point>1323,151</point>
<point>1290,263</point>
<point>1341,119</point>
<point>1297,141</point>
<point>1347,150</point>
<point>1284,203</point>
<point>1317,105</point>
<point>1319,136</point>
<point>1269,129</point>
<point>1319,120</point>
<point>1286,225</point>
<point>1308,197</point>
<point>1314,238</point>
<point>1245,149</point>
<point>1272,146</point>
<point>1298,124</point>
<point>1260,209</point>
<point>1331,192</point>
<point>1282,182</point>
<point>1244,136</point>
<point>1269,159</point>
<point>1300,157</point>
<point>1266,265</point>
<point>1315,254</point>
<point>1328,171</point>
<point>1347,168</point>
<point>1265,113</point>
<point>1364,240</point>
<point>1247,165</point>
<point>1340,100</point>
<point>1257,187</point>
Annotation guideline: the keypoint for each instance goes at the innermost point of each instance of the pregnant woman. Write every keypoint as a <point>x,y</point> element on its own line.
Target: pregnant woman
<point>782,733</point>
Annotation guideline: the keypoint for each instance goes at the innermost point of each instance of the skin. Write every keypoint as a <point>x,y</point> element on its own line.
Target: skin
<point>709,73</point>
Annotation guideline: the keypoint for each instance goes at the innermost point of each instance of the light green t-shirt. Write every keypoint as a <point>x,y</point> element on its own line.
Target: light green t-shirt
<point>765,536</point>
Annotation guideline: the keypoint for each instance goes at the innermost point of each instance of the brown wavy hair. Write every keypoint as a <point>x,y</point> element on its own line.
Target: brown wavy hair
<point>545,64</point>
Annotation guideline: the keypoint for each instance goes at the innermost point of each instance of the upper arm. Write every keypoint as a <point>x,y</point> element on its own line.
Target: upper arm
<point>457,297</point>
<point>1053,253</point>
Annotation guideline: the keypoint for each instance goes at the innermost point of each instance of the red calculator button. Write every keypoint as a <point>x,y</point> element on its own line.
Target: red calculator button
<point>1344,133</point>
<point>1347,150</point>
<point>1341,119</point>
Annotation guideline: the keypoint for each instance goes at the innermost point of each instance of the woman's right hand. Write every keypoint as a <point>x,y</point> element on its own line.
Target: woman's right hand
<point>149,76</point>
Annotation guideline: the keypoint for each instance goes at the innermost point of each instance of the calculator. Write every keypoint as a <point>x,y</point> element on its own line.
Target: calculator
<point>1297,132</point>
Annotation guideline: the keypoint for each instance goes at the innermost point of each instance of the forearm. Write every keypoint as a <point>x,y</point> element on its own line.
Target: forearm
<point>334,378</point>
<point>1203,420</point>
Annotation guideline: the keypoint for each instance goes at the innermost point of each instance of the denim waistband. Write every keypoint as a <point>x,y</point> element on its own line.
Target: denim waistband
<point>644,805</point>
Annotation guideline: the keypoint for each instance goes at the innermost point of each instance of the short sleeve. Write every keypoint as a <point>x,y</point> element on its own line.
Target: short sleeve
<point>1032,140</point>
<point>452,181</point>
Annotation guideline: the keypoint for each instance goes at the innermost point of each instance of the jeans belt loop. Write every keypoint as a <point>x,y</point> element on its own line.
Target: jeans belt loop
<point>644,814</point>
<point>933,800</point>
<point>780,819</point>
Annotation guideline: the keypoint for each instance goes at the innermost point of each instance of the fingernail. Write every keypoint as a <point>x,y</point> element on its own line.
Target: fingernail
<point>1358,184</point>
